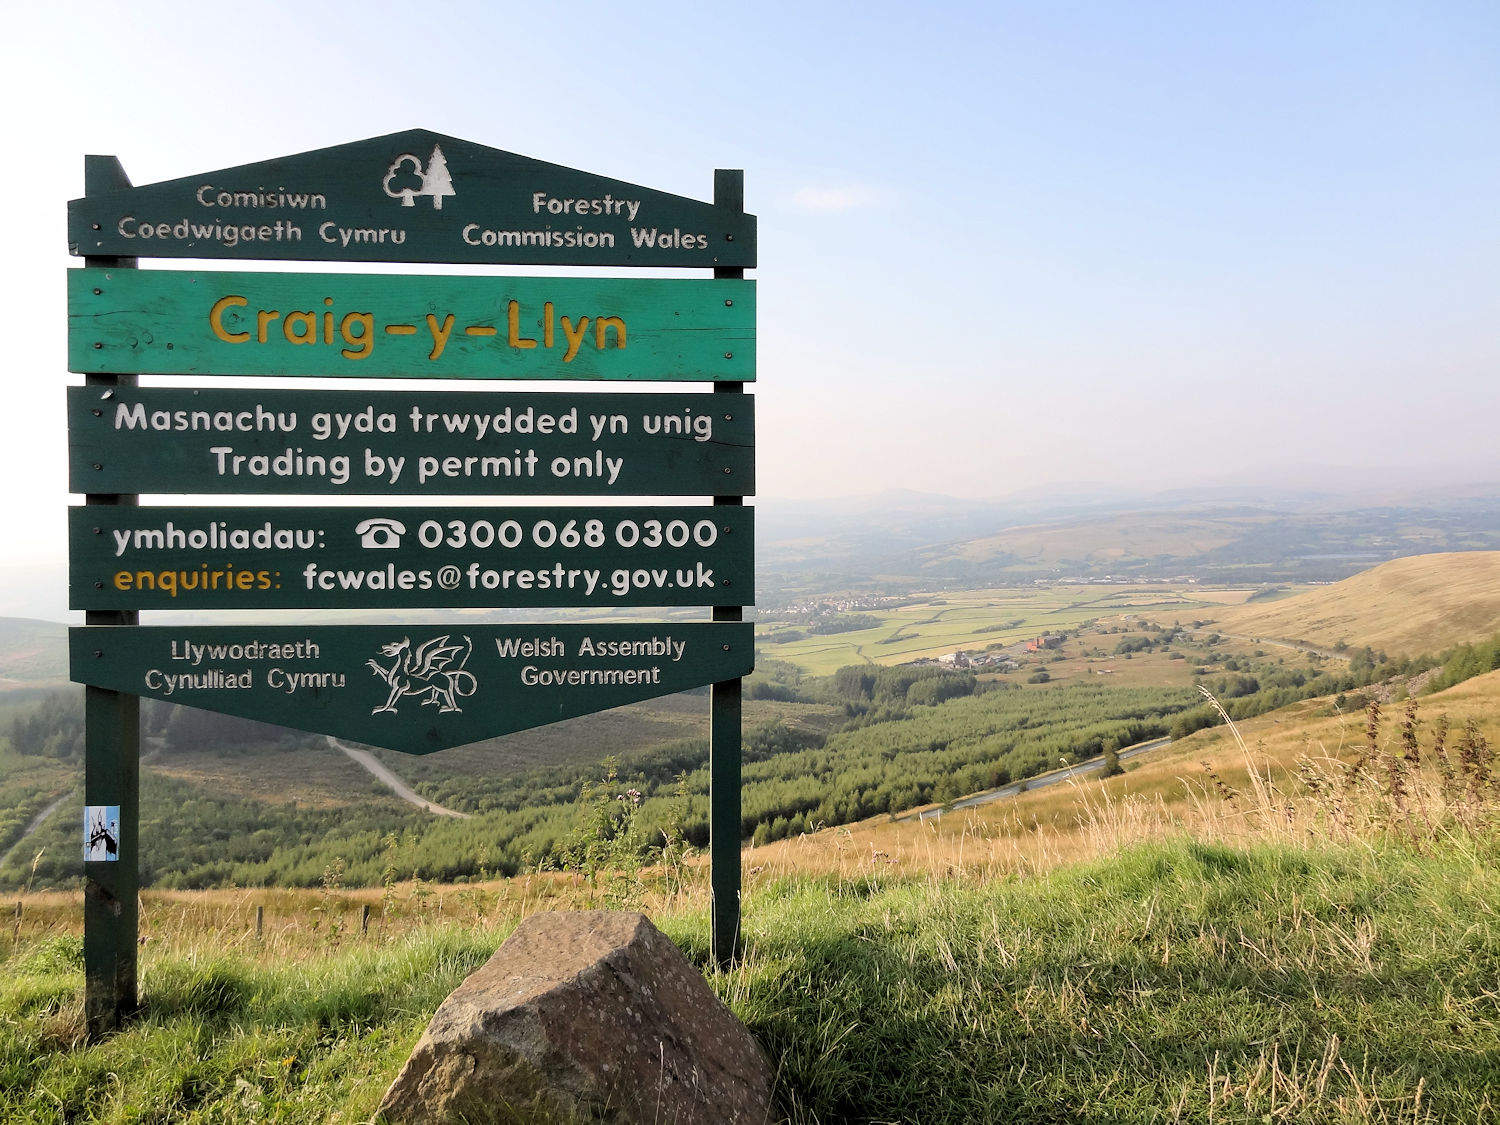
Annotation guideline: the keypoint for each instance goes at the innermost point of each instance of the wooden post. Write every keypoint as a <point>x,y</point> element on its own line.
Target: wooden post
<point>364,918</point>
<point>724,781</point>
<point>112,733</point>
<point>260,920</point>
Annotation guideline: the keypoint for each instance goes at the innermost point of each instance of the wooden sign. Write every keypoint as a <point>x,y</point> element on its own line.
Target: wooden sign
<point>414,688</point>
<point>172,322</point>
<point>189,558</point>
<point>414,196</point>
<point>453,443</point>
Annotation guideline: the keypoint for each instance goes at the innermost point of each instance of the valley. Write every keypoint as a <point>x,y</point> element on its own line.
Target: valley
<point>860,706</point>
<point>1177,846</point>
<point>1288,916</point>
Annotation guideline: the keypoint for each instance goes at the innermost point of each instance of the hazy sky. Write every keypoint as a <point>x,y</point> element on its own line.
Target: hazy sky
<point>1001,244</point>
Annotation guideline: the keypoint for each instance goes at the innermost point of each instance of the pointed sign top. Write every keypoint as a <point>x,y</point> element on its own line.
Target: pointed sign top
<point>413,688</point>
<point>414,196</point>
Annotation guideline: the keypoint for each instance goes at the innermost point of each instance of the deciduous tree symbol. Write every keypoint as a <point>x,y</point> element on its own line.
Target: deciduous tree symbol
<point>406,179</point>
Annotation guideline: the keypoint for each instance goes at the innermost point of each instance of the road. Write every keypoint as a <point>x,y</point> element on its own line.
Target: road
<point>1039,782</point>
<point>36,822</point>
<point>392,782</point>
<point>1299,646</point>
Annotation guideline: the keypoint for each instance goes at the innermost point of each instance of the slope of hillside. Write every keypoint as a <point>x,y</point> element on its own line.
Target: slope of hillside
<point>1421,604</point>
<point>32,651</point>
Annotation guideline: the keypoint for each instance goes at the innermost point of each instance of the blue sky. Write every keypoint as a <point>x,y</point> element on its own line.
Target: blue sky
<point>1002,246</point>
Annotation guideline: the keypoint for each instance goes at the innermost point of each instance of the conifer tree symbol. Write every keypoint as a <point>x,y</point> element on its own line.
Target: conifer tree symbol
<point>433,181</point>
<point>437,182</point>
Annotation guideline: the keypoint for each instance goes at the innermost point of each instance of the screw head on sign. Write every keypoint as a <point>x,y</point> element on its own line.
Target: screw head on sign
<point>98,531</point>
<point>726,648</point>
<point>98,292</point>
<point>728,355</point>
<point>97,345</point>
<point>98,585</point>
<point>724,583</point>
<point>97,467</point>
<point>98,413</point>
<point>727,470</point>
<point>98,652</point>
<point>727,304</point>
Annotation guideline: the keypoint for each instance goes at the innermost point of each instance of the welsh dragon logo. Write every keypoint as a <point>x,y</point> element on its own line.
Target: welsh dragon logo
<point>434,670</point>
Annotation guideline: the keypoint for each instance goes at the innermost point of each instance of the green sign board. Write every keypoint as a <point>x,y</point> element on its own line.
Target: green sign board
<point>414,196</point>
<point>176,322</point>
<point>190,558</point>
<point>416,688</point>
<point>454,443</point>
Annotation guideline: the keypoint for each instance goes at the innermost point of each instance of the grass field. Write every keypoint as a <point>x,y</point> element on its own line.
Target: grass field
<point>1153,948</point>
<point>1288,920</point>
<point>1410,606</point>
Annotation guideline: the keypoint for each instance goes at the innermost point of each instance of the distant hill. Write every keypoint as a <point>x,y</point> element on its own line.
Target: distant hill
<point>905,539</point>
<point>32,652</point>
<point>1409,606</point>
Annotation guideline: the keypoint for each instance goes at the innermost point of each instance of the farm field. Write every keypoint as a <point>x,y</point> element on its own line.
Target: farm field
<point>938,623</point>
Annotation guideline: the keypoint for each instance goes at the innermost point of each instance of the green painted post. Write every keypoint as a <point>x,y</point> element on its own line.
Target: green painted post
<point>111,891</point>
<point>724,815</point>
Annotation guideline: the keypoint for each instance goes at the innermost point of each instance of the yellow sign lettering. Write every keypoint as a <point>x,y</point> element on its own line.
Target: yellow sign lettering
<point>216,320</point>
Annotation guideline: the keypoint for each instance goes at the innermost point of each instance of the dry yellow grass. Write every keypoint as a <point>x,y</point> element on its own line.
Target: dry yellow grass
<point>1409,606</point>
<point>1166,793</point>
<point>300,922</point>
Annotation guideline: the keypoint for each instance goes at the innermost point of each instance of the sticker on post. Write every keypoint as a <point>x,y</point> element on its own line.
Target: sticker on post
<point>101,833</point>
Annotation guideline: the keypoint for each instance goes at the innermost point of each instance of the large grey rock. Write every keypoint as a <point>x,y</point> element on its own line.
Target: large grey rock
<point>591,1016</point>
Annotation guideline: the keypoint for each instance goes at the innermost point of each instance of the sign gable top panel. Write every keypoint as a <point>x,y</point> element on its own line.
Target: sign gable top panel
<point>412,196</point>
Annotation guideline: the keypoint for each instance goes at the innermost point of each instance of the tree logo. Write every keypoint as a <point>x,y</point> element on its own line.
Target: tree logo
<point>406,179</point>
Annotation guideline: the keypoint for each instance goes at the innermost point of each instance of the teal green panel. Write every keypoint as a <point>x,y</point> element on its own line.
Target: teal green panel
<point>416,688</point>
<point>493,443</point>
<point>414,196</point>
<point>400,557</point>
<point>174,322</point>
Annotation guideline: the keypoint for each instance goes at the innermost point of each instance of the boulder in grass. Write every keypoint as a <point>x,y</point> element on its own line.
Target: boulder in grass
<point>590,1016</point>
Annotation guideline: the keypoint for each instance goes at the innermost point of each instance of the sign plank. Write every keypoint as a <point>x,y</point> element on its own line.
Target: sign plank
<point>416,688</point>
<point>453,443</point>
<point>179,322</point>
<point>413,196</point>
<point>190,558</point>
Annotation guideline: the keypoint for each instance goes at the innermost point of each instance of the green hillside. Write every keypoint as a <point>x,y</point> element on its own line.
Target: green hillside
<point>32,652</point>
